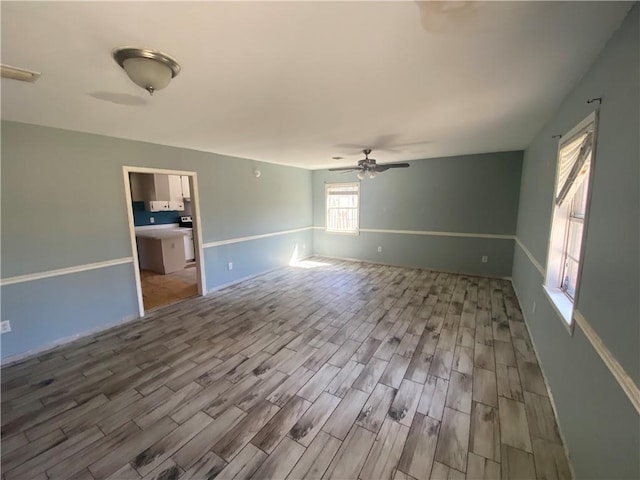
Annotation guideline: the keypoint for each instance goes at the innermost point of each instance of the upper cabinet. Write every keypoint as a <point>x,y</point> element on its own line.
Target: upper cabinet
<point>172,185</point>
<point>186,189</point>
<point>160,192</point>
<point>140,188</point>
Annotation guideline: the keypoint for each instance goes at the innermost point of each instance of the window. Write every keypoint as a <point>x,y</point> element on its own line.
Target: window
<point>343,207</point>
<point>570,210</point>
<point>571,259</point>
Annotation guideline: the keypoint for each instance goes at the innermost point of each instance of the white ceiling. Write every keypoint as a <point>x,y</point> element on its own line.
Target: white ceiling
<point>298,83</point>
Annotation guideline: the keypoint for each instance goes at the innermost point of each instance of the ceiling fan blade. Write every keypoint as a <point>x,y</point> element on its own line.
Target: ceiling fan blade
<point>344,169</point>
<point>387,166</point>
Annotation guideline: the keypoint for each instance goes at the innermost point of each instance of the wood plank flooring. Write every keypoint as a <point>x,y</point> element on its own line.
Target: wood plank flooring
<point>345,370</point>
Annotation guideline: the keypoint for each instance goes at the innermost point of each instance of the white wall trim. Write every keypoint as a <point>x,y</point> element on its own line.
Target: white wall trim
<point>254,237</point>
<point>622,377</point>
<point>161,171</point>
<point>132,238</point>
<point>197,225</point>
<point>120,261</point>
<point>431,233</point>
<point>532,259</point>
<point>64,271</point>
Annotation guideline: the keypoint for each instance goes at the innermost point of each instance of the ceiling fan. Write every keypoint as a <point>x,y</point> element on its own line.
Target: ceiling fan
<point>368,166</point>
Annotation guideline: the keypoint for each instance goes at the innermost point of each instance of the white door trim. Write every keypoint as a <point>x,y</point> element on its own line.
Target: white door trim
<point>197,233</point>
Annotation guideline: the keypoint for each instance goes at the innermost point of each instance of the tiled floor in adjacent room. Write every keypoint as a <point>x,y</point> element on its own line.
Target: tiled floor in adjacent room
<point>341,370</point>
<point>159,290</point>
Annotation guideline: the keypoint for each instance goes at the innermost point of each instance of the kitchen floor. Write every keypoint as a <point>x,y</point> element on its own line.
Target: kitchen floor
<point>339,370</point>
<point>159,290</point>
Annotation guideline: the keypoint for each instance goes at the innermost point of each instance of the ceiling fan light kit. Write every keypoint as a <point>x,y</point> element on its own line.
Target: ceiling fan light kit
<point>368,166</point>
<point>149,69</point>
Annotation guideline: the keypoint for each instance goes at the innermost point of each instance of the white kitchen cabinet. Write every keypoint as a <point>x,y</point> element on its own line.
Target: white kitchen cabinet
<point>186,188</point>
<point>161,251</point>
<point>159,192</point>
<point>189,249</point>
<point>176,205</point>
<point>161,187</point>
<point>169,187</point>
<point>157,206</point>
<point>175,188</point>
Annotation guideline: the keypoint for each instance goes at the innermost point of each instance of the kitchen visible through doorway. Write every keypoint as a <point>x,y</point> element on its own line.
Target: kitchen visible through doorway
<point>161,220</point>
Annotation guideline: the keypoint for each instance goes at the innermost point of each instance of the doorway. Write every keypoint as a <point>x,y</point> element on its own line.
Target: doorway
<point>165,229</point>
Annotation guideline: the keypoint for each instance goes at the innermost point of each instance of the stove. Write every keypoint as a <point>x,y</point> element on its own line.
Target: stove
<point>186,222</point>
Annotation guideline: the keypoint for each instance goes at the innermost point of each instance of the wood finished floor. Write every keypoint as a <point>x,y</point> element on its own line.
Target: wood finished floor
<point>345,371</point>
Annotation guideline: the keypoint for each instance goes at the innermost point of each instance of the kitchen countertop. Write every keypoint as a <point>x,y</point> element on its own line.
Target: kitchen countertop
<point>163,232</point>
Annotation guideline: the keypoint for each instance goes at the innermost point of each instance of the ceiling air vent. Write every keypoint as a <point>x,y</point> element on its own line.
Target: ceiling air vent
<point>15,73</point>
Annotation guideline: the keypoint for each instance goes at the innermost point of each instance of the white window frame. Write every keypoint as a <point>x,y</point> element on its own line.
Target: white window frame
<point>558,236</point>
<point>328,228</point>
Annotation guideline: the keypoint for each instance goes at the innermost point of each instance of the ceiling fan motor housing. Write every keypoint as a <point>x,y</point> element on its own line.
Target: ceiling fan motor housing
<point>367,165</point>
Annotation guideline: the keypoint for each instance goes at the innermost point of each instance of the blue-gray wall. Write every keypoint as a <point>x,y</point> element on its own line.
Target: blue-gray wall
<point>63,205</point>
<point>471,194</point>
<point>599,422</point>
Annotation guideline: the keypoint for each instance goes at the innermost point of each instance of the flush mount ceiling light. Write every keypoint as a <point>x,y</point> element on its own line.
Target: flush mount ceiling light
<point>149,69</point>
<point>15,73</point>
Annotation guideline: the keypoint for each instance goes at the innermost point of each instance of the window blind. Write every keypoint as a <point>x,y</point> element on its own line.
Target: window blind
<point>342,190</point>
<point>342,207</point>
<point>573,165</point>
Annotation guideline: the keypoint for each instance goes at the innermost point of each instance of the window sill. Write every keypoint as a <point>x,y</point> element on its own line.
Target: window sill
<point>339,232</point>
<point>562,305</point>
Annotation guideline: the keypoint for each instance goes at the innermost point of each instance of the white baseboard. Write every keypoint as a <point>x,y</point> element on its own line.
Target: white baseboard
<point>546,383</point>
<point>19,357</point>
<point>622,377</point>
<point>249,277</point>
<point>372,262</point>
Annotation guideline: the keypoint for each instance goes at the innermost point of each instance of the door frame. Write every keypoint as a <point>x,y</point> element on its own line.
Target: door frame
<point>197,230</point>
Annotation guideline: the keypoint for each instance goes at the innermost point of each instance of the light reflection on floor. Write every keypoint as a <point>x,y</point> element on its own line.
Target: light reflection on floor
<point>308,264</point>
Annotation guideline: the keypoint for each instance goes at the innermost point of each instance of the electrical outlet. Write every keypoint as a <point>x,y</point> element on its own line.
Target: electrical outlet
<point>5,327</point>
<point>230,265</point>
<point>379,249</point>
<point>485,259</point>
<point>304,246</point>
<point>152,220</point>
